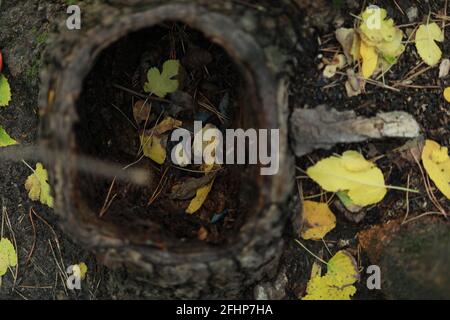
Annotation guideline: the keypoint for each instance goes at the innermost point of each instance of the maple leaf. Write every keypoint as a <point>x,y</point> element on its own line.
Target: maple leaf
<point>163,83</point>
<point>38,187</point>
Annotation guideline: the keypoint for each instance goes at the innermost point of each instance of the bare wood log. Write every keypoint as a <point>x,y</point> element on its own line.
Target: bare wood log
<point>322,128</point>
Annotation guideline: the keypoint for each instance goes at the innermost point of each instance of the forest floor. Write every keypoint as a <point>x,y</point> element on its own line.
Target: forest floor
<point>40,275</point>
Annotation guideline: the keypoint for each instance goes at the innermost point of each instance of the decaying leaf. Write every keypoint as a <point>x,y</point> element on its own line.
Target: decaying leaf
<point>318,220</point>
<point>5,91</point>
<point>5,139</point>
<point>426,37</point>
<point>444,68</point>
<point>8,256</point>
<point>436,162</point>
<point>154,141</point>
<point>200,197</point>
<point>362,180</point>
<point>38,187</point>
<point>163,83</point>
<point>345,37</point>
<point>375,27</point>
<point>142,111</point>
<point>337,283</point>
<point>188,188</point>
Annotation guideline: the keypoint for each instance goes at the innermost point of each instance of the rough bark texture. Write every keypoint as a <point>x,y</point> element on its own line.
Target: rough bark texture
<point>251,36</point>
<point>323,128</point>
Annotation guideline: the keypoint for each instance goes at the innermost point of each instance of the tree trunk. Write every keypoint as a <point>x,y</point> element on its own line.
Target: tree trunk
<point>257,38</point>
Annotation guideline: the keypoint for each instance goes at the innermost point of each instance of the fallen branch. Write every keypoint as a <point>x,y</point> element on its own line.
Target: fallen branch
<point>322,128</point>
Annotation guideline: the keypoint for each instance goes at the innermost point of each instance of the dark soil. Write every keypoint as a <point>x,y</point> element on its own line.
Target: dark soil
<point>42,278</point>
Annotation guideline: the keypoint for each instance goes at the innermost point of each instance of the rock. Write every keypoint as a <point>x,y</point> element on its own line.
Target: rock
<point>412,13</point>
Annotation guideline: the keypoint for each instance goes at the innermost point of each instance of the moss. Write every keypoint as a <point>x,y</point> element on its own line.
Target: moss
<point>32,72</point>
<point>42,38</point>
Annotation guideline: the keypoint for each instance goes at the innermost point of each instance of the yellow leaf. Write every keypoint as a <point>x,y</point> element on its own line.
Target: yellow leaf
<point>318,220</point>
<point>153,141</point>
<point>82,269</point>
<point>153,148</point>
<point>369,58</point>
<point>436,162</point>
<point>447,94</point>
<point>392,49</point>
<point>337,283</point>
<point>8,256</point>
<point>38,187</point>
<point>362,180</point>
<point>426,35</point>
<point>375,28</point>
<point>199,199</point>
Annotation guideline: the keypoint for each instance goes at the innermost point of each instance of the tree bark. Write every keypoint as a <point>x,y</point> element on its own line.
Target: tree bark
<point>252,36</point>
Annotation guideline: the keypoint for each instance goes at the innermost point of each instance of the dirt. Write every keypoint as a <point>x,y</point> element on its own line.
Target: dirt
<point>52,251</point>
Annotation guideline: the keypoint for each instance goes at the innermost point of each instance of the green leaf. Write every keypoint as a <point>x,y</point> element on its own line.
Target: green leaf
<point>8,256</point>
<point>5,91</point>
<point>5,139</point>
<point>162,83</point>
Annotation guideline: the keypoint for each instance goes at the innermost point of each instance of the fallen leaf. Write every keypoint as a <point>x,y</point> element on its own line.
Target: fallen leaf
<point>8,256</point>
<point>392,49</point>
<point>154,141</point>
<point>369,58</point>
<point>163,83</point>
<point>188,188</point>
<point>154,147</point>
<point>38,187</point>
<point>426,37</point>
<point>5,139</point>
<point>447,94</point>
<point>202,233</point>
<point>142,111</point>
<point>167,124</point>
<point>337,283</point>
<point>318,220</point>
<point>363,181</point>
<point>345,38</point>
<point>200,197</point>
<point>436,162</point>
<point>444,68</point>
<point>375,27</point>
<point>81,271</point>
<point>5,91</point>
<point>347,202</point>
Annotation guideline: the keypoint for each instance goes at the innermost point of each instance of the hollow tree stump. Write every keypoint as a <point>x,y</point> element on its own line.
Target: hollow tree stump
<point>257,38</point>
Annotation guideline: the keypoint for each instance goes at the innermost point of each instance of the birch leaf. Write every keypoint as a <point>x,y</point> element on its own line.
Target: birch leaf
<point>5,91</point>
<point>362,180</point>
<point>5,139</point>
<point>337,283</point>
<point>436,162</point>
<point>318,220</point>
